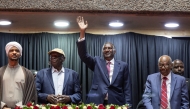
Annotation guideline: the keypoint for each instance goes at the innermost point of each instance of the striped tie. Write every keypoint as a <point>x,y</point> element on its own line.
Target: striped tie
<point>164,101</point>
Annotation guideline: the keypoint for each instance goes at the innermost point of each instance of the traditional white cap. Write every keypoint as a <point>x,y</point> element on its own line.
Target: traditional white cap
<point>13,44</point>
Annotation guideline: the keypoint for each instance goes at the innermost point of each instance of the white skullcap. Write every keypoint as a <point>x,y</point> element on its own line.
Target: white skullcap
<point>11,44</point>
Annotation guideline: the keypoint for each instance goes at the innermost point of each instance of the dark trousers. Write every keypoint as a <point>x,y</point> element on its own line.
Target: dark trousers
<point>105,102</point>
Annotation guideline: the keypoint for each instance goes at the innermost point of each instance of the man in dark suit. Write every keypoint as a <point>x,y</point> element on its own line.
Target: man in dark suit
<point>165,90</point>
<point>111,82</point>
<point>178,68</point>
<point>58,84</point>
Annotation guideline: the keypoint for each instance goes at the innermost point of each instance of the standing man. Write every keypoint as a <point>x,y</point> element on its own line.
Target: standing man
<point>111,82</point>
<point>58,84</point>
<point>17,86</point>
<point>178,68</point>
<point>165,90</point>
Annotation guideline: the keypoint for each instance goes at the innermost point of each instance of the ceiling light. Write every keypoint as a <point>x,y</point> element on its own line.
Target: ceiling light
<point>171,25</point>
<point>61,23</point>
<point>116,24</point>
<point>5,22</point>
<point>168,36</point>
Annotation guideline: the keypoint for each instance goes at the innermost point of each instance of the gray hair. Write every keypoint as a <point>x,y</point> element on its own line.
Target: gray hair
<point>108,43</point>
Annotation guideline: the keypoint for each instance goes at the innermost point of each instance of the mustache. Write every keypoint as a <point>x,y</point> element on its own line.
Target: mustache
<point>14,59</point>
<point>16,55</point>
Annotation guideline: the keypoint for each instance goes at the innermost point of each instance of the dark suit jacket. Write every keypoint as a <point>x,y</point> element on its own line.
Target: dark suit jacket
<point>178,93</point>
<point>45,86</point>
<point>119,91</point>
<point>188,86</point>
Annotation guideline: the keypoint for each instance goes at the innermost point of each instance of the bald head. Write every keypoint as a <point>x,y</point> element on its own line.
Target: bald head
<point>178,67</point>
<point>165,64</point>
<point>166,57</point>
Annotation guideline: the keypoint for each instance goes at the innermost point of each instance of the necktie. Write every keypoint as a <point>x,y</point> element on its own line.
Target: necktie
<point>108,66</point>
<point>164,101</point>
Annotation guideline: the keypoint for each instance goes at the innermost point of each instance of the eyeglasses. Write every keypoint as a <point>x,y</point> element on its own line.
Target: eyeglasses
<point>165,66</point>
<point>54,57</point>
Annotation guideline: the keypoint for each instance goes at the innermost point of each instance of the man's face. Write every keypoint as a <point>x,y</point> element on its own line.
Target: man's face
<point>164,65</point>
<point>56,59</point>
<point>14,54</point>
<point>178,67</point>
<point>108,51</point>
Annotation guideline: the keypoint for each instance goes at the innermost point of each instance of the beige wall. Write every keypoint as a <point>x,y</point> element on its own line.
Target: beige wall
<point>98,5</point>
<point>137,7</point>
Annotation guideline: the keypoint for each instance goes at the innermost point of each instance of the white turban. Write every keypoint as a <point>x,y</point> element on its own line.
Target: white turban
<point>11,44</point>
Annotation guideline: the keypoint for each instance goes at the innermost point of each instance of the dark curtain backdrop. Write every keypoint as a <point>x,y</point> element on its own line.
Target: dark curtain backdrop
<point>140,51</point>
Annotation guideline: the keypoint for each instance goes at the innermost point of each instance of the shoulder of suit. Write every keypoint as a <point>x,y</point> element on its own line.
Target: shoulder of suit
<point>179,76</point>
<point>119,61</point>
<point>98,57</point>
<point>154,74</point>
<point>70,70</point>
<point>45,70</point>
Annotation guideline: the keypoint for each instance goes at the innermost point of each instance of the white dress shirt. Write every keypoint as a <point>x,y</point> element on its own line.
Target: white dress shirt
<point>111,69</point>
<point>110,74</point>
<point>58,80</point>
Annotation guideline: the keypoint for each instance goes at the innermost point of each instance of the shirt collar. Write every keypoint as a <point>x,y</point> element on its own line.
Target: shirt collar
<point>13,66</point>
<point>168,76</point>
<point>112,61</point>
<point>54,70</point>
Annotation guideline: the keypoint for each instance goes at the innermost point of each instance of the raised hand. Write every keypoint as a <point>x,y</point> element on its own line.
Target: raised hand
<point>83,25</point>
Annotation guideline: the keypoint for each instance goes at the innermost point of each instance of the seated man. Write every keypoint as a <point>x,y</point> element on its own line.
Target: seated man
<point>58,84</point>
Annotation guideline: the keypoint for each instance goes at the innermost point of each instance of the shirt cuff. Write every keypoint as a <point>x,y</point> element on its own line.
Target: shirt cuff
<point>19,104</point>
<point>82,39</point>
<point>2,105</point>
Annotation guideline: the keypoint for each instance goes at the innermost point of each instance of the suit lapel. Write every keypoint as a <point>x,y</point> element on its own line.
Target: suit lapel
<point>49,75</point>
<point>173,82</point>
<point>65,78</point>
<point>158,84</point>
<point>104,68</point>
<point>115,71</point>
